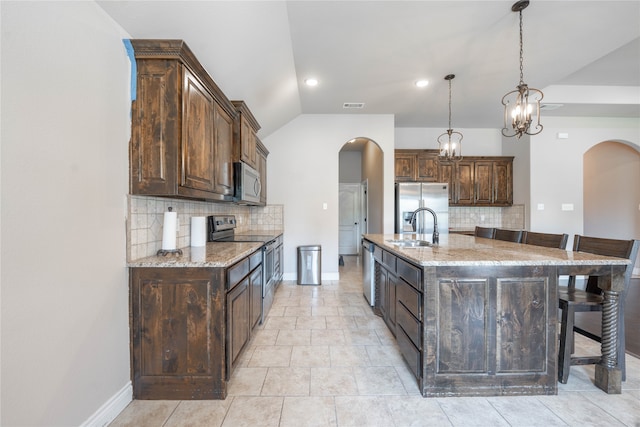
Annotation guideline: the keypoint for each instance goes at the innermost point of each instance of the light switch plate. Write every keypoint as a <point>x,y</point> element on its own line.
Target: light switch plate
<point>567,206</point>
<point>540,206</point>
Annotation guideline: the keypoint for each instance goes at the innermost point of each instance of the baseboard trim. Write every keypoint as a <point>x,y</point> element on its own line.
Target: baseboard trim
<point>111,409</point>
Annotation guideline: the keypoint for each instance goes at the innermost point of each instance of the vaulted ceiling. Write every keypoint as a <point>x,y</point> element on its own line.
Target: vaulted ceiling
<point>584,55</point>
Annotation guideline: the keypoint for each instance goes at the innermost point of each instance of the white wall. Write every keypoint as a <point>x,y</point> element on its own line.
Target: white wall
<point>519,149</point>
<point>557,168</point>
<point>65,117</point>
<point>303,174</point>
<point>373,172</point>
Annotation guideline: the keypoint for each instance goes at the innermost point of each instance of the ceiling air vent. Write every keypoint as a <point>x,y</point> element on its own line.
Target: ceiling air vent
<point>359,105</point>
<point>550,107</point>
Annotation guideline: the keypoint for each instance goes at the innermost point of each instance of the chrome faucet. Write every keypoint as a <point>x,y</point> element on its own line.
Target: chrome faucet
<point>436,235</point>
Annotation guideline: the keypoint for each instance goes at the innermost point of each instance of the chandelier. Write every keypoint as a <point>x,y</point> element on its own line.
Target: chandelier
<point>523,104</point>
<point>450,142</point>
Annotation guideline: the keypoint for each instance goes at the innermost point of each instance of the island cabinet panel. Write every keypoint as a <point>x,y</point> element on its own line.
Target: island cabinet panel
<point>521,325</point>
<point>489,330</point>
<point>177,333</point>
<point>462,340</point>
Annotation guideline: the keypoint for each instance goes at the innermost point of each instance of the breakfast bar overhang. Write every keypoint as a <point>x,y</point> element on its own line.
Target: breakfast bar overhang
<point>488,313</point>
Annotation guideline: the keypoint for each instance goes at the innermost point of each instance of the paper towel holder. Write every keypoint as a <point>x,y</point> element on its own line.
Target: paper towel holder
<point>165,252</point>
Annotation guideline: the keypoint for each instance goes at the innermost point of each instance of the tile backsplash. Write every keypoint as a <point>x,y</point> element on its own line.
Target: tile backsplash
<point>466,218</point>
<point>146,216</point>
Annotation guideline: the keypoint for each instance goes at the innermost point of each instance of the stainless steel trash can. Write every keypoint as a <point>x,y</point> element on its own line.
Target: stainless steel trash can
<point>309,264</point>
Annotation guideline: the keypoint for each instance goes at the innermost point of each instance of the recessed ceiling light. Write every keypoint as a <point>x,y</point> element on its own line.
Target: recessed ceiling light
<point>422,83</point>
<point>311,82</point>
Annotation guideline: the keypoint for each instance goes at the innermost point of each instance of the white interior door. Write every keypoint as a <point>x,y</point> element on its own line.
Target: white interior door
<point>349,221</point>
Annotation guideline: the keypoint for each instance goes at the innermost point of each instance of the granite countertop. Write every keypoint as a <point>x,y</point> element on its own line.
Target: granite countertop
<point>462,250</point>
<point>214,254</point>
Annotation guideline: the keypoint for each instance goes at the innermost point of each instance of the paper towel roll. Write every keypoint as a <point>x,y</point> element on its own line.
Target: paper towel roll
<point>169,230</point>
<point>198,231</point>
<point>198,254</point>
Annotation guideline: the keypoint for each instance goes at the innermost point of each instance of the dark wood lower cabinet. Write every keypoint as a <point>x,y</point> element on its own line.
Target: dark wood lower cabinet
<point>239,330</point>
<point>177,333</point>
<point>189,326</point>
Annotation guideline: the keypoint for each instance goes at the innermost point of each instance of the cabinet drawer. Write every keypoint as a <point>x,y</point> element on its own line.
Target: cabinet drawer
<point>255,259</point>
<point>377,254</point>
<point>410,273</point>
<point>410,298</point>
<point>389,260</point>
<point>237,272</point>
<point>409,324</point>
<point>410,353</point>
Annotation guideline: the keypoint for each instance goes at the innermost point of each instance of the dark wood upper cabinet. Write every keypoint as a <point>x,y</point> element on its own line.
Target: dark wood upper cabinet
<point>262,154</point>
<point>181,127</point>
<point>473,181</point>
<point>416,165</point>
<point>245,145</point>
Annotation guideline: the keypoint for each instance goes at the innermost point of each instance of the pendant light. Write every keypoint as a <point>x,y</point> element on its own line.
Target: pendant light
<point>522,104</point>
<point>450,142</point>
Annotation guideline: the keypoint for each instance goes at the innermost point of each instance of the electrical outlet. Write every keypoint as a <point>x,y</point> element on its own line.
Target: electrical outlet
<point>567,206</point>
<point>540,206</point>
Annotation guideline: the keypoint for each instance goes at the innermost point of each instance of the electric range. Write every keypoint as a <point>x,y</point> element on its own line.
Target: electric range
<point>221,228</point>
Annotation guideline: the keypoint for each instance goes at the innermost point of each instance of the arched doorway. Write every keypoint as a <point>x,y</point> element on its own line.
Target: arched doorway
<point>361,192</point>
<point>611,200</point>
<point>611,187</point>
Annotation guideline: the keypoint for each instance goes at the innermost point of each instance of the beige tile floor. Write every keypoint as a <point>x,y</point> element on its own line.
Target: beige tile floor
<point>323,359</point>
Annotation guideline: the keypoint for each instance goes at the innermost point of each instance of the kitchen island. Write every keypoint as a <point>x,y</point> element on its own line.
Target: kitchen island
<point>478,317</point>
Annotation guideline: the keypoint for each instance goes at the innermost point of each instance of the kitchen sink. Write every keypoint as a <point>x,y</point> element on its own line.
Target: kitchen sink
<point>410,243</point>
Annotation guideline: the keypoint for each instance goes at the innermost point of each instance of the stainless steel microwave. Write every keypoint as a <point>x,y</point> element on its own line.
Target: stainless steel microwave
<point>247,183</point>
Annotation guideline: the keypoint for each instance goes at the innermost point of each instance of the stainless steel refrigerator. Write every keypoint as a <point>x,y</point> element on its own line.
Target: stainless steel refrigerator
<point>413,195</point>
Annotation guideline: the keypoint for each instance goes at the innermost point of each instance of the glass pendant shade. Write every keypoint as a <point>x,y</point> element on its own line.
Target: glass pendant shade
<point>521,110</point>
<point>450,145</point>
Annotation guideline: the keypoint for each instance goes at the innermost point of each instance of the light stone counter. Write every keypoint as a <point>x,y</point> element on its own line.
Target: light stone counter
<point>462,250</point>
<point>214,254</point>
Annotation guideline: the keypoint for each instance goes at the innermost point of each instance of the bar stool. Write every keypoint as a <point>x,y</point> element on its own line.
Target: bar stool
<point>508,235</point>
<point>548,240</point>
<point>572,300</point>
<point>486,232</point>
